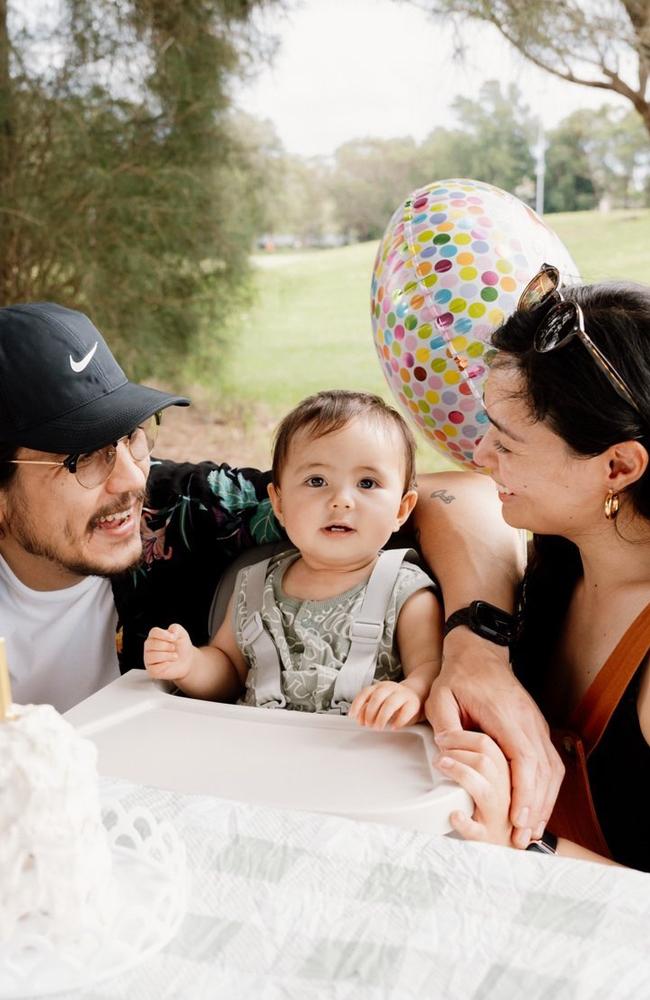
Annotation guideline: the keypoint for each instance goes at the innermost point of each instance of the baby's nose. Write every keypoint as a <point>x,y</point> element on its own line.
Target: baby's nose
<point>342,498</point>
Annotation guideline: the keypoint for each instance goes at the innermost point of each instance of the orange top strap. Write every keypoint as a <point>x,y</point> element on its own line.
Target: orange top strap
<point>590,717</point>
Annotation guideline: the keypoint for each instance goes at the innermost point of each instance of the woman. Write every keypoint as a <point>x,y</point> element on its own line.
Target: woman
<point>568,400</point>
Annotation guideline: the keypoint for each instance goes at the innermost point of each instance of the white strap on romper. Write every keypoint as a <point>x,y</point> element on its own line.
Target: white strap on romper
<point>365,634</point>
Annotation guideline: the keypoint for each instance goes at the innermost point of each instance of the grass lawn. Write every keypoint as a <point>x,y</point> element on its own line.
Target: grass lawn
<point>309,326</point>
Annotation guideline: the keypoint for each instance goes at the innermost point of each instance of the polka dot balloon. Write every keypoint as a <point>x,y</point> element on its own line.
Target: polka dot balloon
<point>453,261</point>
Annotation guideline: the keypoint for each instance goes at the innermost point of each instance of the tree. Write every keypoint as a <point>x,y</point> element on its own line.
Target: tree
<point>124,184</point>
<point>493,141</point>
<point>605,45</point>
<point>570,182</point>
<point>369,179</point>
<point>597,154</point>
<point>620,153</point>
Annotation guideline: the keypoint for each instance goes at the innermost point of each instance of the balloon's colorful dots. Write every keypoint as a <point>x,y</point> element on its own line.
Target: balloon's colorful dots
<point>450,267</point>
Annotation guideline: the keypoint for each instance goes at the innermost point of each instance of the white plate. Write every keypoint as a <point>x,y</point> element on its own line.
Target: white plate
<point>293,760</point>
<point>150,890</point>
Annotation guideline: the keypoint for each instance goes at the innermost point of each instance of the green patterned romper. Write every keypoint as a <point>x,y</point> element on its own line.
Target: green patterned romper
<point>312,637</point>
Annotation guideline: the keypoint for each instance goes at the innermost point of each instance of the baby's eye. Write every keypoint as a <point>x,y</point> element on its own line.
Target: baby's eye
<point>315,481</point>
<point>367,483</point>
<point>499,447</point>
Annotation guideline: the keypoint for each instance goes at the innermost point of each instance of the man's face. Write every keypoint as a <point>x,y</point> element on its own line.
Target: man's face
<point>55,532</point>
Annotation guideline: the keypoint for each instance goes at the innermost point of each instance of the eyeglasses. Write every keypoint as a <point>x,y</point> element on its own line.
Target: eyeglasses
<point>564,321</point>
<point>94,468</point>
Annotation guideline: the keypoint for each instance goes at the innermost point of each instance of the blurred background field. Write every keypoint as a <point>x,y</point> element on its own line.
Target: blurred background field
<point>306,326</point>
<point>208,181</point>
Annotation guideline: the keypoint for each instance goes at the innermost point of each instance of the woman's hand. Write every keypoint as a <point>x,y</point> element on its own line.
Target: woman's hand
<point>476,687</point>
<point>475,761</point>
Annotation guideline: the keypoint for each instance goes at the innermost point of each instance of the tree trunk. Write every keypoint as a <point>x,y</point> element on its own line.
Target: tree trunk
<point>6,138</point>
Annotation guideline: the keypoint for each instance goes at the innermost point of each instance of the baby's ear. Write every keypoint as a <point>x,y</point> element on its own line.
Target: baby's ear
<point>276,501</point>
<point>407,504</point>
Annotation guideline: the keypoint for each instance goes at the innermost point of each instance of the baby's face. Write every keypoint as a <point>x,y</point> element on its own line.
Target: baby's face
<point>342,495</point>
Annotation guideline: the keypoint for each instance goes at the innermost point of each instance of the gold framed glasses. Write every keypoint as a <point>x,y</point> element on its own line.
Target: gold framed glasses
<point>564,321</point>
<point>94,468</point>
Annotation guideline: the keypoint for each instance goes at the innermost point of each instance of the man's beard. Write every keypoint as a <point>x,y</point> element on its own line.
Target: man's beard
<point>25,533</point>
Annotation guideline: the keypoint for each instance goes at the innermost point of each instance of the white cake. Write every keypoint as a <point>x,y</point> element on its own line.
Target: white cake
<point>55,859</point>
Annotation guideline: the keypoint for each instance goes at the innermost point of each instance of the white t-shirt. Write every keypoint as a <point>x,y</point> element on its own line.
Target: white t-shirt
<point>60,643</point>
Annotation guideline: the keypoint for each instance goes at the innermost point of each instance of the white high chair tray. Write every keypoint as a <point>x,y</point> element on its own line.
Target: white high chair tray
<point>292,760</point>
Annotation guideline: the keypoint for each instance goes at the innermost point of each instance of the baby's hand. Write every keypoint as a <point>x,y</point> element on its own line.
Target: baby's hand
<point>168,653</point>
<point>477,763</point>
<point>386,703</point>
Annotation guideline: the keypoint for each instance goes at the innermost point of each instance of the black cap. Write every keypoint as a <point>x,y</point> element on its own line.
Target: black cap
<point>61,389</point>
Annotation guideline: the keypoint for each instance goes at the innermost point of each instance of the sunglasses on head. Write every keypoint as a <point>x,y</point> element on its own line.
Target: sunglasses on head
<point>564,321</point>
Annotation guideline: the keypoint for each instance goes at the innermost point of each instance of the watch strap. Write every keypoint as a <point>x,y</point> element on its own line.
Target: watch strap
<point>467,616</point>
<point>547,844</point>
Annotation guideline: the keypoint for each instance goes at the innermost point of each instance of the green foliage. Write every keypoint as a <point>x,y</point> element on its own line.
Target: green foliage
<point>492,143</point>
<point>591,155</point>
<point>308,327</point>
<point>603,45</point>
<point>594,155</point>
<point>125,186</point>
<point>302,204</point>
<point>370,177</point>
<point>569,175</point>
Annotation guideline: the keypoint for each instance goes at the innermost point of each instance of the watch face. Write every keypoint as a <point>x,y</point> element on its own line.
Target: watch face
<point>493,622</point>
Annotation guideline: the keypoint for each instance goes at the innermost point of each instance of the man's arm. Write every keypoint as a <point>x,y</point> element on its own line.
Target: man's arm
<point>475,555</point>
<point>198,518</point>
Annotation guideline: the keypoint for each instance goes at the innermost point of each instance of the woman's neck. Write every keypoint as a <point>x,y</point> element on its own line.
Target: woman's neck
<point>615,557</point>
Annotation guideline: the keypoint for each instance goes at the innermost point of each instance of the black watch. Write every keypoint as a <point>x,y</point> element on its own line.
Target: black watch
<point>547,844</point>
<point>485,620</point>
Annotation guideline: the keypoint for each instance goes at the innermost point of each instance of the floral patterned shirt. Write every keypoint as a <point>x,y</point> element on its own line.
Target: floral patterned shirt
<point>196,520</point>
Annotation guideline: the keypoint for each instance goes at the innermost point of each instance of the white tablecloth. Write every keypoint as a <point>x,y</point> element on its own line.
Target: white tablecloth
<point>301,906</point>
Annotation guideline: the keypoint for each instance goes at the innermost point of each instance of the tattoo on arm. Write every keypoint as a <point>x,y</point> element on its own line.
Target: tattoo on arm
<point>442,495</point>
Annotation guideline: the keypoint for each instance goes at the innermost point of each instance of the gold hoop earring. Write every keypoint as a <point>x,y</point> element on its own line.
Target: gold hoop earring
<point>612,504</point>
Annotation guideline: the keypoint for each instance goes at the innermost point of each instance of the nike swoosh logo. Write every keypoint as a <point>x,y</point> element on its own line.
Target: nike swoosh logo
<point>78,366</point>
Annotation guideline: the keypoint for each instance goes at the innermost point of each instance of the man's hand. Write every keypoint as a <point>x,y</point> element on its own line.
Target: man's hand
<point>476,689</point>
<point>168,653</point>
<point>386,703</point>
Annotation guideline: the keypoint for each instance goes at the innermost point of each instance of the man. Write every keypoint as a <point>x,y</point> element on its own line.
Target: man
<point>87,566</point>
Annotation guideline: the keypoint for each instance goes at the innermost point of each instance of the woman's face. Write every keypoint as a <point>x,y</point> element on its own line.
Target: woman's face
<point>542,484</point>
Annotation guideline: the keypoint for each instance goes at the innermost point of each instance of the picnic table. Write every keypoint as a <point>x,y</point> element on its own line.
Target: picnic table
<point>285,903</point>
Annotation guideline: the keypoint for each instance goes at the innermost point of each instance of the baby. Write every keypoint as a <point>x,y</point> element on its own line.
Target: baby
<point>334,625</point>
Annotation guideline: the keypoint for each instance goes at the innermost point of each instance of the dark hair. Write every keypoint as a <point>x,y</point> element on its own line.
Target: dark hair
<point>568,390</point>
<point>7,471</point>
<point>329,411</point>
